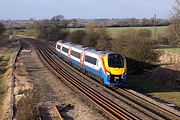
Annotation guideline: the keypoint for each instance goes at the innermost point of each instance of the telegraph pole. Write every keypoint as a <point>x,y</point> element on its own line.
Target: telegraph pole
<point>155,30</point>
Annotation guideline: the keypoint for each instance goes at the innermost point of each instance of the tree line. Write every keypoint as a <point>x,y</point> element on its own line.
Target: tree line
<point>81,23</point>
<point>126,22</point>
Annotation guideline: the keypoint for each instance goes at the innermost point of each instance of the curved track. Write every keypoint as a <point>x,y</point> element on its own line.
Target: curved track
<point>49,57</point>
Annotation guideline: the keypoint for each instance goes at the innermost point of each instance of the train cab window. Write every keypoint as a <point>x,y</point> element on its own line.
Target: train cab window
<point>58,47</point>
<point>90,60</point>
<point>75,54</point>
<point>115,60</point>
<point>65,49</point>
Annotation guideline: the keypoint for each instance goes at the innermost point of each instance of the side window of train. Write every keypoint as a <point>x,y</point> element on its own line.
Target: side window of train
<point>90,60</point>
<point>64,49</point>
<point>58,47</point>
<point>75,54</point>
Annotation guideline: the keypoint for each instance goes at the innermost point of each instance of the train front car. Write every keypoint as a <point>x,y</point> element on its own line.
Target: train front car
<point>115,69</point>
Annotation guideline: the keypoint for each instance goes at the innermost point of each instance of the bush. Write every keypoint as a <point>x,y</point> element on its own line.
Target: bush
<point>2,28</point>
<point>91,36</point>
<point>174,34</point>
<point>97,36</point>
<point>137,45</point>
<point>103,41</point>
<point>2,36</point>
<point>76,36</point>
<point>51,30</point>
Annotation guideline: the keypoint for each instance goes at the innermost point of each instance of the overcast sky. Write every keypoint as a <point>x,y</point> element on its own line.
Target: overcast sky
<point>41,9</point>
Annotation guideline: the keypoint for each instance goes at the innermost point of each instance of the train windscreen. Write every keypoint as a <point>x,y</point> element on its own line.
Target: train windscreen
<point>115,60</point>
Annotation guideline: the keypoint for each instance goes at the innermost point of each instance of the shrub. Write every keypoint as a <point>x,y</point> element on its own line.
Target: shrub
<point>51,30</point>
<point>97,36</point>
<point>103,41</point>
<point>91,36</point>
<point>137,45</point>
<point>76,36</point>
<point>2,30</point>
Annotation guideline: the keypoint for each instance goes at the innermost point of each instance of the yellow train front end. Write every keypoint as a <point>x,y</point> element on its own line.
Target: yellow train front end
<point>116,68</point>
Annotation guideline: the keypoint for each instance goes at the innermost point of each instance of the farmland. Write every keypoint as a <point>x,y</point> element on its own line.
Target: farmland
<point>115,30</point>
<point>173,50</point>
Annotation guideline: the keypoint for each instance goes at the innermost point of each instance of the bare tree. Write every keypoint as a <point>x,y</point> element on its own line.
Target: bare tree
<point>53,29</point>
<point>174,28</point>
<point>103,41</point>
<point>2,29</point>
<point>91,36</point>
<point>97,36</point>
<point>76,36</point>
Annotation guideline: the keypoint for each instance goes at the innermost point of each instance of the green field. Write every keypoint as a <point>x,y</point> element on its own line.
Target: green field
<point>173,50</point>
<point>159,30</point>
<point>115,30</point>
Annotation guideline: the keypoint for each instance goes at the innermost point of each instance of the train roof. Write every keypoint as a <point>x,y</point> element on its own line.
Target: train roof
<point>88,49</point>
<point>98,52</point>
<point>81,47</point>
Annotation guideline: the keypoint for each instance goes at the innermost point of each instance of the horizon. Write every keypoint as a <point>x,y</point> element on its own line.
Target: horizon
<point>80,18</point>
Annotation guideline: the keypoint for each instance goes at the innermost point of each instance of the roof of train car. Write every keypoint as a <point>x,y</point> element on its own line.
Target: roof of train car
<point>81,47</point>
<point>88,49</point>
<point>98,52</point>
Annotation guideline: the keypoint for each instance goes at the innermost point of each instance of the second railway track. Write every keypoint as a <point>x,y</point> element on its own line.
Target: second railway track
<point>49,57</point>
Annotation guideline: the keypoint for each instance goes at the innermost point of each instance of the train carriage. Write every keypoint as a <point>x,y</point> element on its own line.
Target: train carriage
<point>107,67</point>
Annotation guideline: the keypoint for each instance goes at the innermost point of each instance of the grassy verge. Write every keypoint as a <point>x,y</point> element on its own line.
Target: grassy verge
<point>149,86</point>
<point>5,71</point>
<point>3,85</point>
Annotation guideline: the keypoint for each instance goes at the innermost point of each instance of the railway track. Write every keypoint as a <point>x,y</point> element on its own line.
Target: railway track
<point>49,57</point>
<point>58,110</point>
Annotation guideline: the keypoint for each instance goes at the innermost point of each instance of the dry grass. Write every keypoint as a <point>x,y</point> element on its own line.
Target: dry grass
<point>4,75</point>
<point>171,97</point>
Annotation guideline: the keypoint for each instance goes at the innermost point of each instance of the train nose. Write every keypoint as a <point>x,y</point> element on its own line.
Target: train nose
<point>115,71</point>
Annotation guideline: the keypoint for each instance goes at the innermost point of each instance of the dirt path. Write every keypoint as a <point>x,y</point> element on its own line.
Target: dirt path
<point>37,86</point>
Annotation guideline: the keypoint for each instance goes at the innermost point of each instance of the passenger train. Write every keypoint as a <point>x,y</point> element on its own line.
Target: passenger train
<point>107,67</point>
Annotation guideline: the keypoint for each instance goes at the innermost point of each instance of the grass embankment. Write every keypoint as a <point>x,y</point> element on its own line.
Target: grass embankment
<point>5,56</point>
<point>147,85</point>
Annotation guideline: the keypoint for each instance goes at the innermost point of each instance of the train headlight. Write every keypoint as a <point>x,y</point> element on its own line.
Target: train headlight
<point>107,73</point>
<point>124,75</point>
